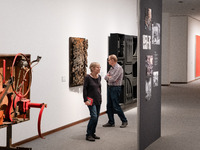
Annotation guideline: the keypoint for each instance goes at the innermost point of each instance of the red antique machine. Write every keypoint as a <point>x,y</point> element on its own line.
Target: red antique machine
<point>16,72</point>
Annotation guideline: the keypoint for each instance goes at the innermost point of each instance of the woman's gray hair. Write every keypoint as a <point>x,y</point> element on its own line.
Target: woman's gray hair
<point>93,65</point>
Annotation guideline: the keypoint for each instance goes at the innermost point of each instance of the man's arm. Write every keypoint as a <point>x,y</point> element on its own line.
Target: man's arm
<point>116,75</point>
<point>107,77</point>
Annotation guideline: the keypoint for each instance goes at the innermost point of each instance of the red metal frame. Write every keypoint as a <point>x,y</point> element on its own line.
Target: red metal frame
<point>18,93</point>
<point>19,100</point>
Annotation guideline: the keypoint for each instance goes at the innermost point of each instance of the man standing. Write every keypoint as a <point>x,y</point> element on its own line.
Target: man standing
<point>114,79</point>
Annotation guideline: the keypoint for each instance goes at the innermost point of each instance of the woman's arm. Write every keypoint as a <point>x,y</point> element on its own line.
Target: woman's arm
<point>85,88</point>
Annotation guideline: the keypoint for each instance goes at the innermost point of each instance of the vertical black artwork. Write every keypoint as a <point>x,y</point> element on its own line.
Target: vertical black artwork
<point>125,48</point>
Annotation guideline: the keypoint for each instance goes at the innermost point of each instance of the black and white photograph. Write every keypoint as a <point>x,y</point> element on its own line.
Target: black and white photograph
<point>146,42</point>
<point>148,18</point>
<point>149,65</point>
<point>156,33</point>
<point>148,89</point>
<point>155,78</point>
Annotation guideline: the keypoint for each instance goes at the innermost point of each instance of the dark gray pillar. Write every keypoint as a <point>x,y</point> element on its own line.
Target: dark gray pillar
<point>149,73</point>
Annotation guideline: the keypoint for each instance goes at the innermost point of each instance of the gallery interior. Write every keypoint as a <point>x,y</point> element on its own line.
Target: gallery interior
<point>45,28</point>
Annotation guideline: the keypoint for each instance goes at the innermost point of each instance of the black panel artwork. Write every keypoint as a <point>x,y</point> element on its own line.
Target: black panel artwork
<point>135,67</point>
<point>125,48</point>
<point>117,45</point>
<point>134,45</point>
<point>129,49</point>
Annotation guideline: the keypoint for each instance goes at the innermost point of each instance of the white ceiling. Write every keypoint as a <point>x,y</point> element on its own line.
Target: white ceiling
<point>182,7</point>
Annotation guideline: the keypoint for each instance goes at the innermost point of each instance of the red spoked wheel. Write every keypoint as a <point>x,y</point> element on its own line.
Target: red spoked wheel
<point>21,73</point>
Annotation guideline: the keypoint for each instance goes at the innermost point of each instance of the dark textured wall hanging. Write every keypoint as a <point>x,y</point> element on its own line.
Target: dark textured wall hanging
<point>77,60</point>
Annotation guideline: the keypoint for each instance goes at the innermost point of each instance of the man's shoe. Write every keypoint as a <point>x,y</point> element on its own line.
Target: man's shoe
<point>96,137</point>
<point>90,138</point>
<point>124,124</point>
<point>108,125</point>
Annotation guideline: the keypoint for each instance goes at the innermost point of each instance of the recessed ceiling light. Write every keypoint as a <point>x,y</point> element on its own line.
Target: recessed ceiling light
<point>180,1</point>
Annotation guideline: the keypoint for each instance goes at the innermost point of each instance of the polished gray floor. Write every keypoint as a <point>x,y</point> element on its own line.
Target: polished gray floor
<point>180,126</point>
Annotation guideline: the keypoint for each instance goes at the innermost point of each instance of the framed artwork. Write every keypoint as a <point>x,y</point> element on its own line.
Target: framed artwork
<point>148,19</point>
<point>146,42</point>
<point>155,78</point>
<point>148,89</point>
<point>156,33</point>
<point>77,60</point>
<point>149,65</point>
<point>197,56</point>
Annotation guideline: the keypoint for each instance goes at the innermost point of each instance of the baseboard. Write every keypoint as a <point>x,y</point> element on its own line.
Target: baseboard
<point>178,82</point>
<point>165,84</point>
<point>194,80</point>
<point>185,82</point>
<point>53,131</point>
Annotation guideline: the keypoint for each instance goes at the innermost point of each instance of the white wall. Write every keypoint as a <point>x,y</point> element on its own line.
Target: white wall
<point>43,27</point>
<point>165,48</point>
<point>193,30</point>
<point>178,48</point>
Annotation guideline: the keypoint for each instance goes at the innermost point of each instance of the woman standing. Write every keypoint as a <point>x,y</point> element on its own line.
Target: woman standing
<point>92,98</point>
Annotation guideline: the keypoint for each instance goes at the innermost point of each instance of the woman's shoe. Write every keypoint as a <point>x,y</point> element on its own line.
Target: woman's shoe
<point>108,125</point>
<point>124,124</point>
<point>90,138</point>
<point>96,137</point>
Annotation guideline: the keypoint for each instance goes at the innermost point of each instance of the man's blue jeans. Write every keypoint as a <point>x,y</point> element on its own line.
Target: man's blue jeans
<point>113,104</point>
<point>94,116</point>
